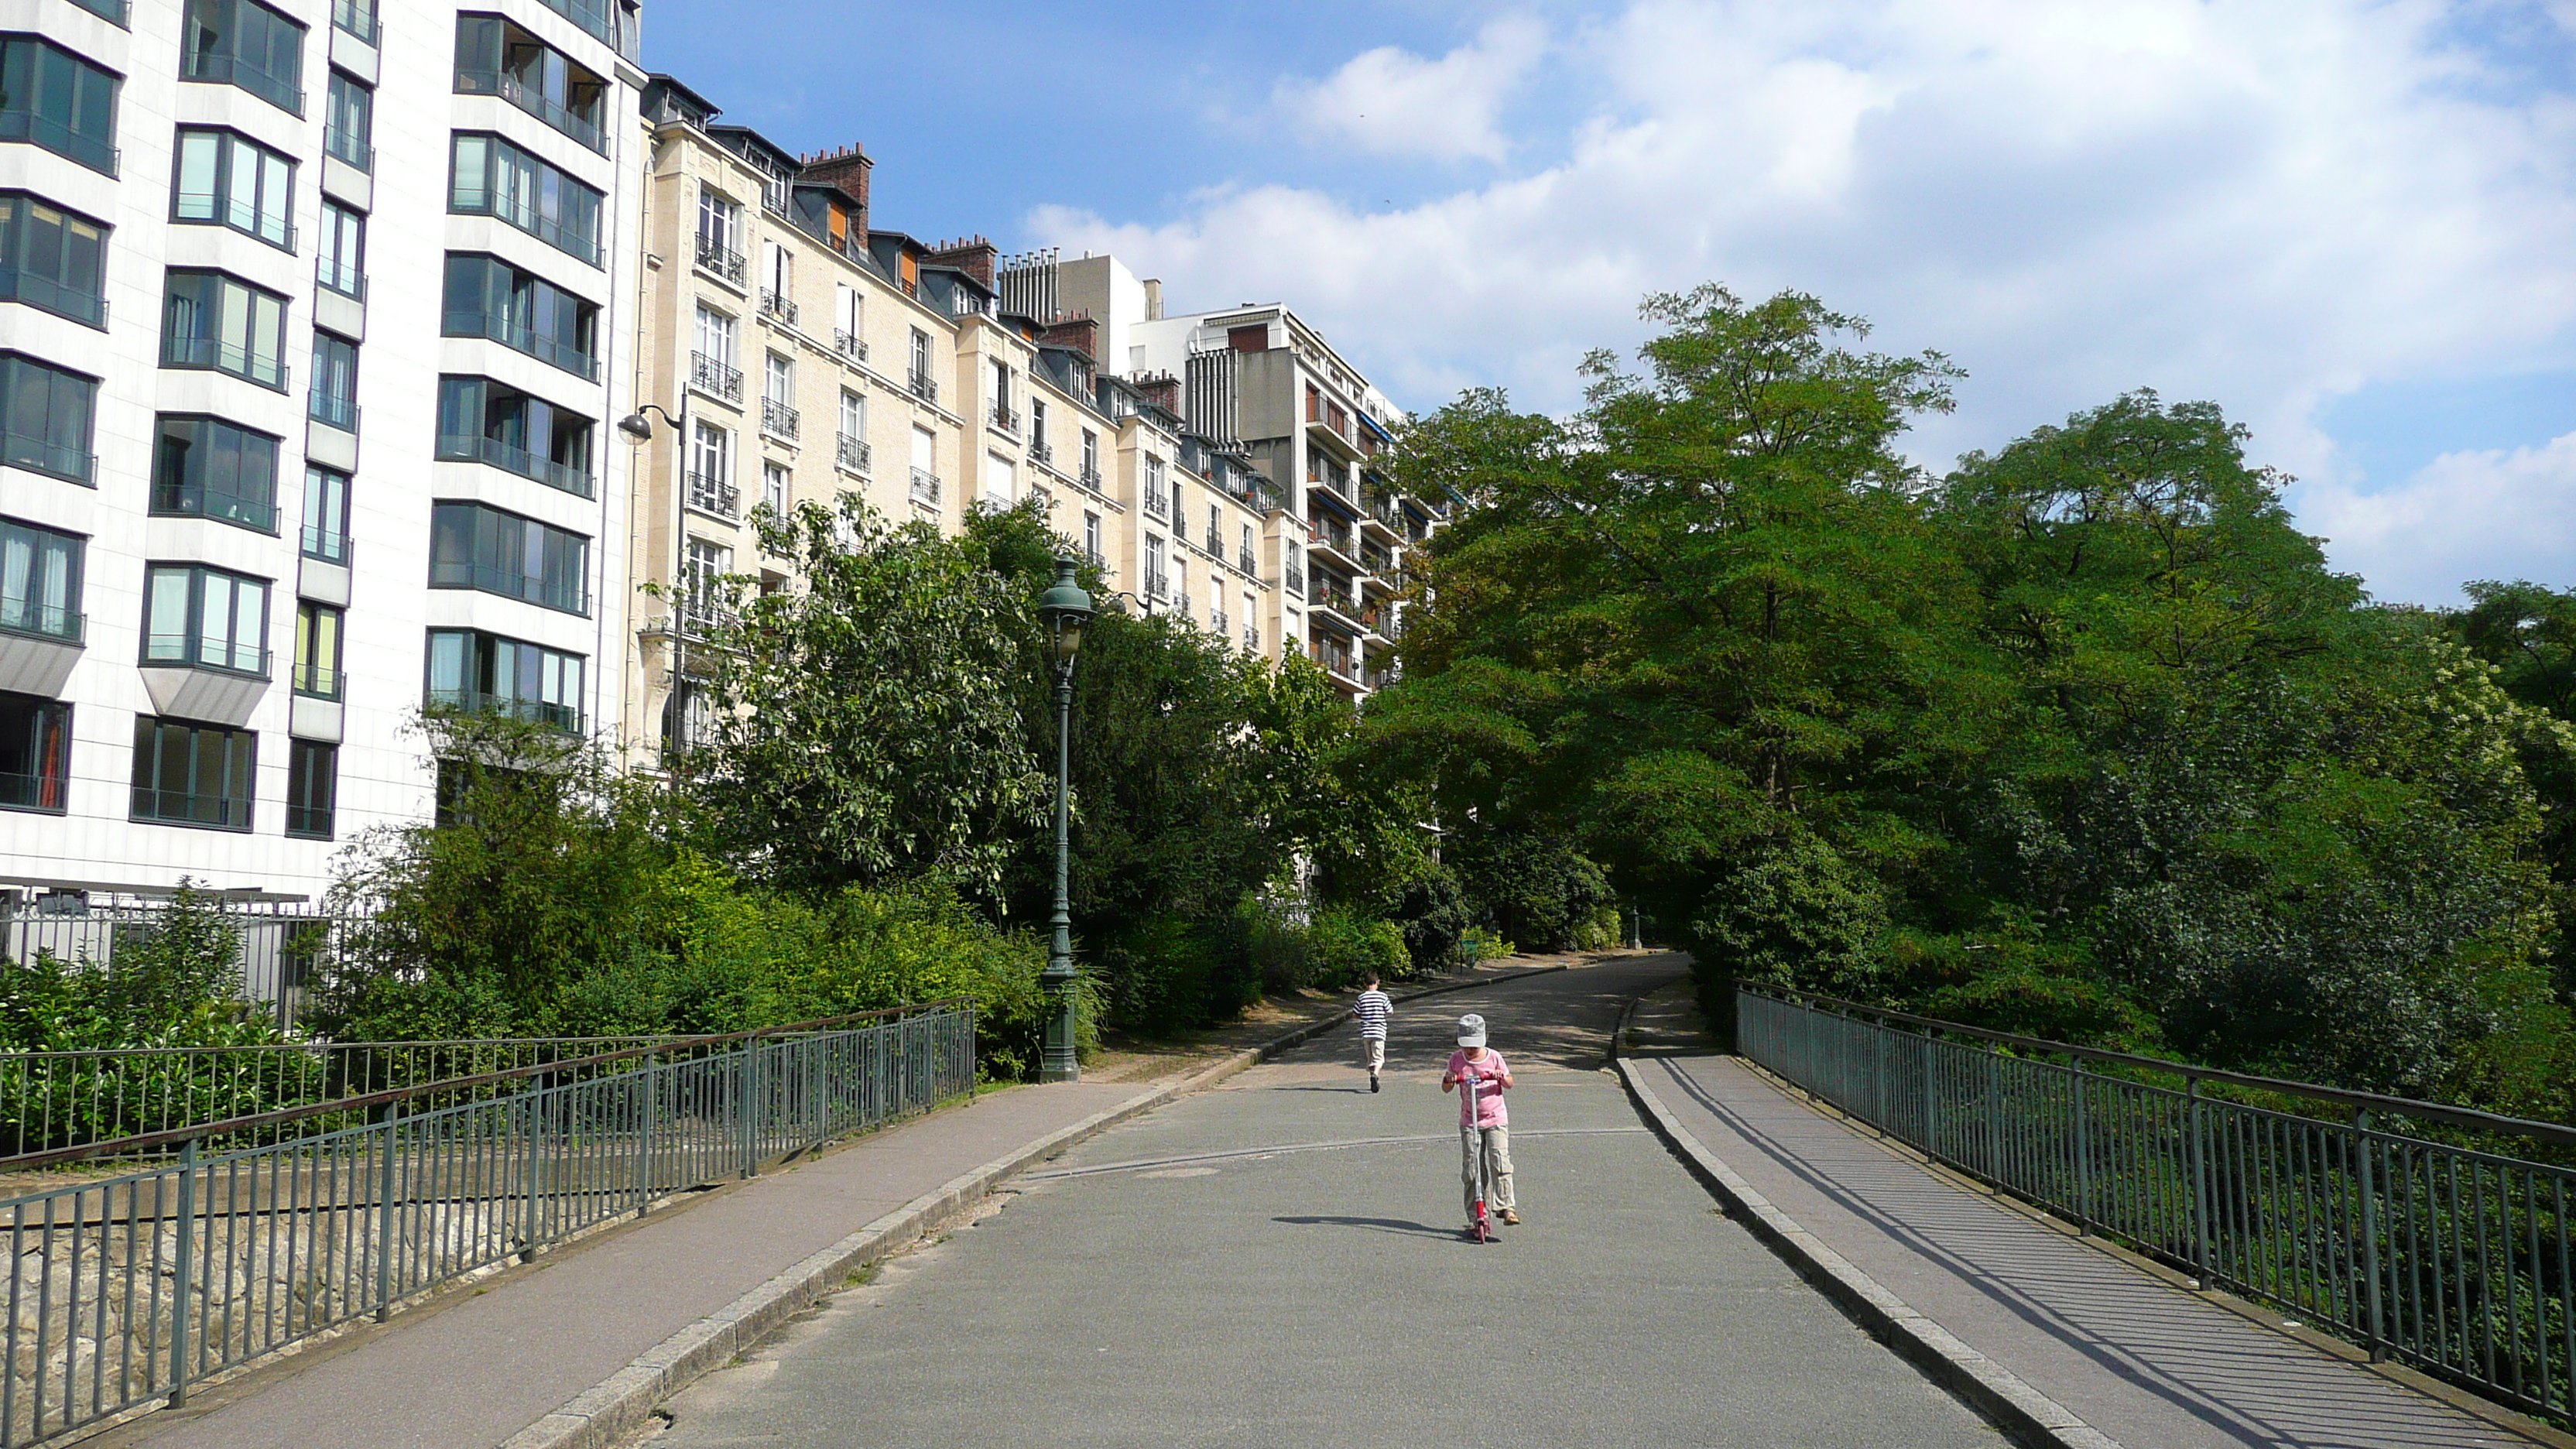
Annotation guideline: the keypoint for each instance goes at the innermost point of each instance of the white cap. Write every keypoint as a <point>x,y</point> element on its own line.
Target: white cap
<point>1471,1030</point>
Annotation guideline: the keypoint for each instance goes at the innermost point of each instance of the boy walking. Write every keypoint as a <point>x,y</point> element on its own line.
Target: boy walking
<point>1483,1125</point>
<point>1372,1008</point>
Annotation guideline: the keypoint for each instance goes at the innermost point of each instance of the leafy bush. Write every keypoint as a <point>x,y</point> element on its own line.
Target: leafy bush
<point>1347,946</point>
<point>1534,888</point>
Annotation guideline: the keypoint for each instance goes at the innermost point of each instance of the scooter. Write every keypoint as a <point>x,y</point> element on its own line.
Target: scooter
<point>1470,1083</point>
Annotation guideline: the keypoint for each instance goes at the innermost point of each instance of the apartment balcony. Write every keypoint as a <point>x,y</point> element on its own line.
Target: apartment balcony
<point>923,386</point>
<point>188,677</point>
<point>849,345</point>
<point>1158,503</point>
<point>1089,477</point>
<point>779,420</point>
<point>1158,587</point>
<point>716,379</point>
<point>721,262</point>
<point>925,487</point>
<point>1006,418</point>
<point>565,717</point>
<point>1218,624</point>
<point>571,478</point>
<point>1251,639</point>
<point>1381,519</point>
<point>1327,599</point>
<point>534,101</point>
<point>1335,442</point>
<point>1336,548</point>
<point>850,453</point>
<point>1243,560</point>
<point>696,618</point>
<point>711,494</point>
<point>1042,455</point>
<point>39,645</point>
<point>1181,608</point>
<point>1293,575</point>
<point>776,306</point>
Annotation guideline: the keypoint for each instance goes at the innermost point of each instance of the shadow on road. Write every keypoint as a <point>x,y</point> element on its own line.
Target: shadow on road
<point>1374,1225</point>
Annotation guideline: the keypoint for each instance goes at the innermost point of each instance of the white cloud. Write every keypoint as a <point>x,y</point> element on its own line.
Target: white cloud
<point>2271,203</point>
<point>2495,514</point>
<point>1391,102</point>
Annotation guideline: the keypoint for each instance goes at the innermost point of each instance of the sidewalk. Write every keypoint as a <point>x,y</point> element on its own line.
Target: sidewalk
<point>2136,1358</point>
<point>472,1370</point>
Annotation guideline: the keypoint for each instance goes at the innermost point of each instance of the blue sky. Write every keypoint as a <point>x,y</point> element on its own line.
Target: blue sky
<point>2351,222</point>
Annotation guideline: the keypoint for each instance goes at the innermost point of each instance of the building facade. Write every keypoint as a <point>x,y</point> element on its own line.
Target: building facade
<point>311,361</point>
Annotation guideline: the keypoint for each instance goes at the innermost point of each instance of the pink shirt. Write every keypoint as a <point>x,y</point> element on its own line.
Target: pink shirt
<point>1489,1097</point>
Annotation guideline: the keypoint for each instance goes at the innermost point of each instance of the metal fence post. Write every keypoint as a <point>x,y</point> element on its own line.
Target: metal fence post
<point>385,1218</point>
<point>183,1272</point>
<point>2372,1338</point>
<point>1931,1096</point>
<point>2083,1156</point>
<point>646,1081</point>
<point>535,1171</point>
<point>749,1077</point>
<point>2199,1186</point>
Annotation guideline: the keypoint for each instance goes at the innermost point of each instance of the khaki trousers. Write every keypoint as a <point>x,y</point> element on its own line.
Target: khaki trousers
<point>1497,1145</point>
<point>1373,1049</point>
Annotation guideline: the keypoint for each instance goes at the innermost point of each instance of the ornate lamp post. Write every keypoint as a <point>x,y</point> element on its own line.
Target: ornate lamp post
<point>1063,609</point>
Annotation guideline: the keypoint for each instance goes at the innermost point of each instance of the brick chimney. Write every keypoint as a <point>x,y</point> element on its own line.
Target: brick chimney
<point>845,171</point>
<point>1077,330</point>
<point>974,256</point>
<point>1161,389</point>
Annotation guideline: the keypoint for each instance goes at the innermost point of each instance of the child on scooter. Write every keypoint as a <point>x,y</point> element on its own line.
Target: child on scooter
<point>1483,1124</point>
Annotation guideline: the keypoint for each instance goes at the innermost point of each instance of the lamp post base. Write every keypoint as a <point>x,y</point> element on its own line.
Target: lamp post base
<point>1060,1062</point>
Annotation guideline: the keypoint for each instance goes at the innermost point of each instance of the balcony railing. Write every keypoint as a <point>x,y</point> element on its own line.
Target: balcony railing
<point>1006,418</point>
<point>189,650</point>
<point>1251,639</point>
<point>923,386</point>
<point>565,717</point>
<point>223,69</point>
<point>45,621</point>
<point>1244,561</point>
<point>358,17</point>
<point>535,102</point>
<point>349,148</point>
<point>778,419</point>
<point>1157,586</point>
<point>925,486</point>
<point>1157,502</point>
<point>701,618</point>
<point>709,493</point>
<point>1215,545</point>
<point>1217,621</point>
<point>1090,477</point>
<point>720,378</point>
<point>216,354</point>
<point>316,680</point>
<point>1294,576</point>
<point>519,337</point>
<point>326,544</point>
<point>195,500</point>
<point>475,448</point>
<point>1041,454</point>
<point>851,453</point>
<point>49,295</point>
<point>721,260</point>
<point>331,409</point>
<point>849,345</point>
<point>773,304</point>
<point>21,124</point>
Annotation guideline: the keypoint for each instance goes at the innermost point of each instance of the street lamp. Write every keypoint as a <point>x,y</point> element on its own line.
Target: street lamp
<point>1064,608</point>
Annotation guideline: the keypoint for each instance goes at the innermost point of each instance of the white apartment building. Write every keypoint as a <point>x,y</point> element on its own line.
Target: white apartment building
<point>310,368</point>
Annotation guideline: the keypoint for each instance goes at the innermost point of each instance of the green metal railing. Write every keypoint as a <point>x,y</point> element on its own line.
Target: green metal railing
<point>125,1291</point>
<point>2342,1207</point>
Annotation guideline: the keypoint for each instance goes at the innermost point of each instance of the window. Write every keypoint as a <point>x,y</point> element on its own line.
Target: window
<point>481,673</point>
<point>497,58</point>
<point>780,376</point>
<point>230,180</point>
<point>332,400</point>
<point>205,617</point>
<point>358,17</point>
<point>1243,559</point>
<point>1154,580</point>
<point>188,774</point>
<point>35,753</point>
<point>482,421</point>
<point>776,282</point>
<point>58,101</point>
<point>45,418</point>
<point>773,488</point>
<point>487,297</point>
<point>720,235</point>
<point>851,447</point>
<point>925,465</point>
<point>341,255</point>
<point>312,782</point>
<point>703,567</point>
<point>712,369</point>
<point>317,650</point>
<point>848,336</point>
<point>920,358</point>
<point>1001,480</point>
<point>1037,427</point>
<point>1003,416</point>
<point>244,43</point>
<point>1091,457</point>
<point>1155,501</point>
<point>494,178</point>
<point>219,322</point>
<point>40,581</point>
<point>326,514</point>
<point>1314,404</point>
<point>1216,526</point>
<point>1181,584</point>
<point>1091,537</point>
<point>711,487</point>
<point>349,121</point>
<point>209,468</point>
<point>474,546</point>
<point>52,259</point>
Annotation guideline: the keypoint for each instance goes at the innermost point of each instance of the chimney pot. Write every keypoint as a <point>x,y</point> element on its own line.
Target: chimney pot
<point>1153,299</point>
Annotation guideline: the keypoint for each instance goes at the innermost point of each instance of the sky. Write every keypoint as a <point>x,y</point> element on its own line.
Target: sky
<point>2351,223</point>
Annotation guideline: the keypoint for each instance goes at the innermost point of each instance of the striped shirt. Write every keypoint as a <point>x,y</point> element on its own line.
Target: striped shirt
<point>1373,1008</point>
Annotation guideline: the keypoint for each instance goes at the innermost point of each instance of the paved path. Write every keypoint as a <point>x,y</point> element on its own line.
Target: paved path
<point>477,1372</point>
<point>1275,1263</point>
<point>2145,1362</point>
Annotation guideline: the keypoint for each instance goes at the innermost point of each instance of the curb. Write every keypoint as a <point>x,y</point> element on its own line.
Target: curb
<point>602,1415</point>
<point>2023,1411</point>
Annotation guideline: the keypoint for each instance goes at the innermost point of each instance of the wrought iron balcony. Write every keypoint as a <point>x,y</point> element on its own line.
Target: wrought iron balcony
<point>925,486</point>
<point>1090,477</point>
<point>723,261</point>
<point>1040,453</point>
<point>1251,639</point>
<point>720,378</point>
<point>1244,561</point>
<point>711,494</point>
<point>851,453</point>
<point>1006,418</point>
<point>850,345</point>
<point>923,386</point>
<point>778,419</point>
<point>773,304</point>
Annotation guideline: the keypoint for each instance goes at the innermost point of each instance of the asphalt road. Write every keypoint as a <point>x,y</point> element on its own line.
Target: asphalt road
<point>1277,1263</point>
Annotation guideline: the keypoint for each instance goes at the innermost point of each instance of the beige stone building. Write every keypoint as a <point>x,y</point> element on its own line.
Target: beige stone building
<point>790,351</point>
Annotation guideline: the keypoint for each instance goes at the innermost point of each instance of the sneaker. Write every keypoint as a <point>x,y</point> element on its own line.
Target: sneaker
<point>1372,1081</point>
<point>1511,1219</point>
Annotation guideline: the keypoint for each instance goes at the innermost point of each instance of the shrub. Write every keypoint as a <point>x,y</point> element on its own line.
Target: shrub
<point>1347,945</point>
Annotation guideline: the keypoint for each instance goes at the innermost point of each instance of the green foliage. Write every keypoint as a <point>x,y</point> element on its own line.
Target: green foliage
<point>175,982</point>
<point>2084,740</point>
<point>1347,945</point>
<point>1533,888</point>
